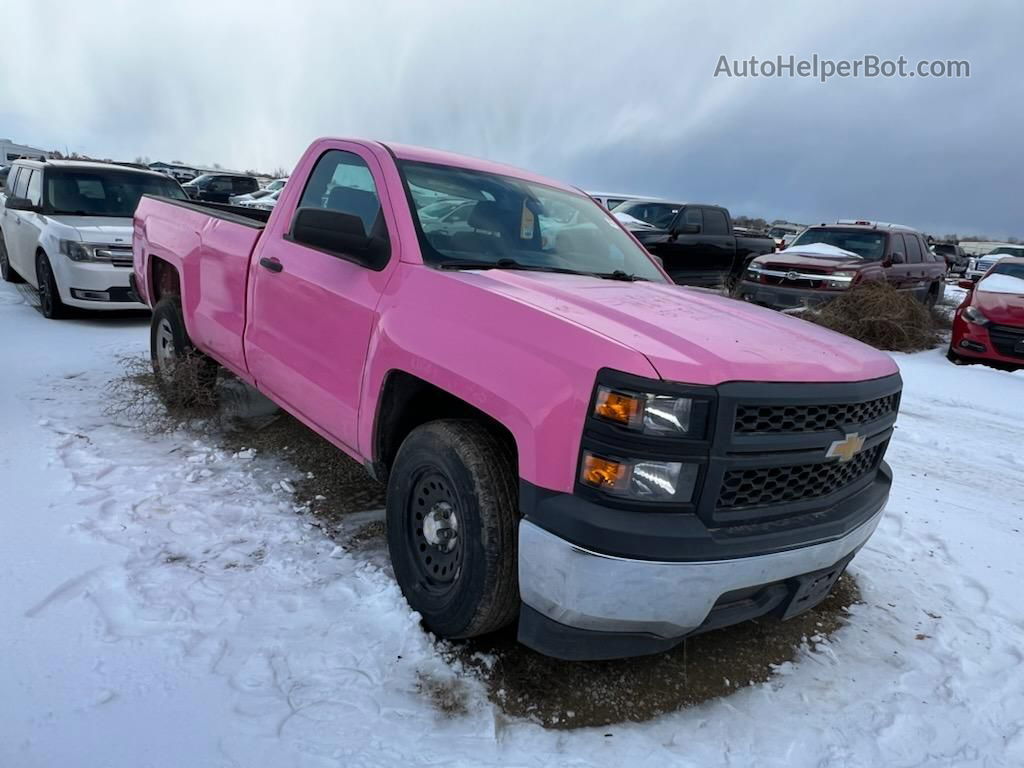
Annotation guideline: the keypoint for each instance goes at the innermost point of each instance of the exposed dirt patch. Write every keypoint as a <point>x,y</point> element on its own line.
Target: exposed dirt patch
<point>565,695</point>
<point>332,485</point>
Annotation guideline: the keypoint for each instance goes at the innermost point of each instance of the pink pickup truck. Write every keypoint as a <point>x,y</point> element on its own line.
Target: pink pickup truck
<point>568,439</point>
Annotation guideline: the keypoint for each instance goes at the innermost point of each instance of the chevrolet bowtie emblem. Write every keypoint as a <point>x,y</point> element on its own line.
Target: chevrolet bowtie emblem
<point>845,449</point>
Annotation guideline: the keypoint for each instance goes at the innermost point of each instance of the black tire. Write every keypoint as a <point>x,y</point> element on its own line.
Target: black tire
<point>49,295</point>
<point>463,585</point>
<point>932,297</point>
<point>954,358</point>
<point>185,377</point>
<point>6,270</point>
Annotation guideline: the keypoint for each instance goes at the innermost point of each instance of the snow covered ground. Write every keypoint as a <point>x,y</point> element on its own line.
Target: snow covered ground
<point>163,604</point>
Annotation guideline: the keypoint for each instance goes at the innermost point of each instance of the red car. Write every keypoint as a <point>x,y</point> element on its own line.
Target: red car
<point>989,325</point>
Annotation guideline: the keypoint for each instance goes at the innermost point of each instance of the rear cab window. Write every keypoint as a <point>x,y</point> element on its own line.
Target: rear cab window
<point>715,222</point>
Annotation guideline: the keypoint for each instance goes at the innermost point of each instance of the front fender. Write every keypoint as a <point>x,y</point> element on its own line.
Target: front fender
<point>530,370</point>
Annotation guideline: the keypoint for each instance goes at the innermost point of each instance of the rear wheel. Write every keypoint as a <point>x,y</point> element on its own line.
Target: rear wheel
<point>49,294</point>
<point>933,296</point>
<point>184,375</point>
<point>6,270</point>
<point>452,526</point>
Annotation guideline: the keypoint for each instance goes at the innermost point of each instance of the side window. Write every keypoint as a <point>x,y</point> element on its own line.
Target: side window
<point>715,222</point>
<point>12,179</point>
<point>21,186</point>
<point>35,188</point>
<point>896,245</point>
<point>693,216</point>
<point>221,184</point>
<point>244,185</point>
<point>913,249</point>
<point>342,182</point>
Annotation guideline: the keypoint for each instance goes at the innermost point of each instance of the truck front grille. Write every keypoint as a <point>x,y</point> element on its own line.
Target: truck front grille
<point>1006,338</point>
<point>810,418</point>
<point>770,457</point>
<point>775,485</point>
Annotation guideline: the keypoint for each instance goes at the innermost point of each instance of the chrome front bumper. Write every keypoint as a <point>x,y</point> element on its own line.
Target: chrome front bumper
<point>587,590</point>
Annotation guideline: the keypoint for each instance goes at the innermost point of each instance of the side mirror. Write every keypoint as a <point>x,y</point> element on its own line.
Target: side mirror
<point>338,233</point>
<point>897,257</point>
<point>968,284</point>
<point>20,204</point>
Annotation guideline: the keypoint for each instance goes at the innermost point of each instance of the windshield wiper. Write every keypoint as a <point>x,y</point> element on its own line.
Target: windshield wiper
<point>618,274</point>
<point>506,263</point>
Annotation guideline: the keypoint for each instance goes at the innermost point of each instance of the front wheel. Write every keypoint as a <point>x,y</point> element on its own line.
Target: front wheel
<point>49,295</point>
<point>452,526</point>
<point>184,375</point>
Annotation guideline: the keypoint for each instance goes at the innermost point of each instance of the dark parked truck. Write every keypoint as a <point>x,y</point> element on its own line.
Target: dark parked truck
<point>826,260</point>
<point>695,242</point>
<point>568,439</point>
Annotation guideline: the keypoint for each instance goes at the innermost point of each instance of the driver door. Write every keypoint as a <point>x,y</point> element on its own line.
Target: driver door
<point>312,313</point>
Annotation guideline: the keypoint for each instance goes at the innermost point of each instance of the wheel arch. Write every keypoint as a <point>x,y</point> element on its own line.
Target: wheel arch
<point>406,402</point>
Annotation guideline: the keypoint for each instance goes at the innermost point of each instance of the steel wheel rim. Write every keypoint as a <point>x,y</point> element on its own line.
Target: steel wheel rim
<point>435,530</point>
<point>166,357</point>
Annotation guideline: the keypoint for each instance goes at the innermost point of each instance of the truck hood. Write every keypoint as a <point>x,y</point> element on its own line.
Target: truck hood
<point>796,259</point>
<point>103,230</point>
<point>690,335</point>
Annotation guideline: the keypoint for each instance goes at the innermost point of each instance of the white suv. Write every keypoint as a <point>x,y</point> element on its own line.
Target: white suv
<point>66,228</point>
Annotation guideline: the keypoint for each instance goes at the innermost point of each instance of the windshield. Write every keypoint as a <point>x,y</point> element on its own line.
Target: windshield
<point>656,214</point>
<point>512,223</point>
<point>868,245</point>
<point>780,232</point>
<point>1013,269</point>
<point>1007,251</point>
<point>104,193</point>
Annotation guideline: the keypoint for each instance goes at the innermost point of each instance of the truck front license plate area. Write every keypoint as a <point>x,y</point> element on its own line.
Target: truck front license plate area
<point>812,588</point>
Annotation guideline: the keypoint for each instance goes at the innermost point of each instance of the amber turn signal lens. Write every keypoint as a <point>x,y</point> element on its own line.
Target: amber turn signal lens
<point>602,473</point>
<point>617,406</point>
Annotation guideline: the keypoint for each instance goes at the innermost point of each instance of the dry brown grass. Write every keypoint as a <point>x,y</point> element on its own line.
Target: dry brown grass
<point>880,315</point>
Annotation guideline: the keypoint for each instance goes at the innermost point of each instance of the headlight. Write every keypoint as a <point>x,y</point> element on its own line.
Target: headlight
<point>646,413</point>
<point>753,271</point>
<point>640,479</point>
<point>77,251</point>
<point>974,315</point>
<point>840,280</point>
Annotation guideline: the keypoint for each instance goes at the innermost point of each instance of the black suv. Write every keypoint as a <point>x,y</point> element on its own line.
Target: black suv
<point>220,187</point>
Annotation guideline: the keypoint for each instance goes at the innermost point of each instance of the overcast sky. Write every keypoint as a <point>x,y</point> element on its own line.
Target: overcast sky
<point>606,95</point>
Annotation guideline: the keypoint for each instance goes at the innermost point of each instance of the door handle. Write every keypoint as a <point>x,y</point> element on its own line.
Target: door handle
<point>272,264</point>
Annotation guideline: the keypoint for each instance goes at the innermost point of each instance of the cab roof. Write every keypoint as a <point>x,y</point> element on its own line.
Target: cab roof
<point>438,157</point>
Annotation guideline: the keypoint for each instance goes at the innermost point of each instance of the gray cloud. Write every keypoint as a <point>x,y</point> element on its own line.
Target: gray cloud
<point>602,94</point>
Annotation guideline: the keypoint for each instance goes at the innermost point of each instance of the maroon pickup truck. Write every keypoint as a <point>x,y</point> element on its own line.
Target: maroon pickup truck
<point>826,260</point>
